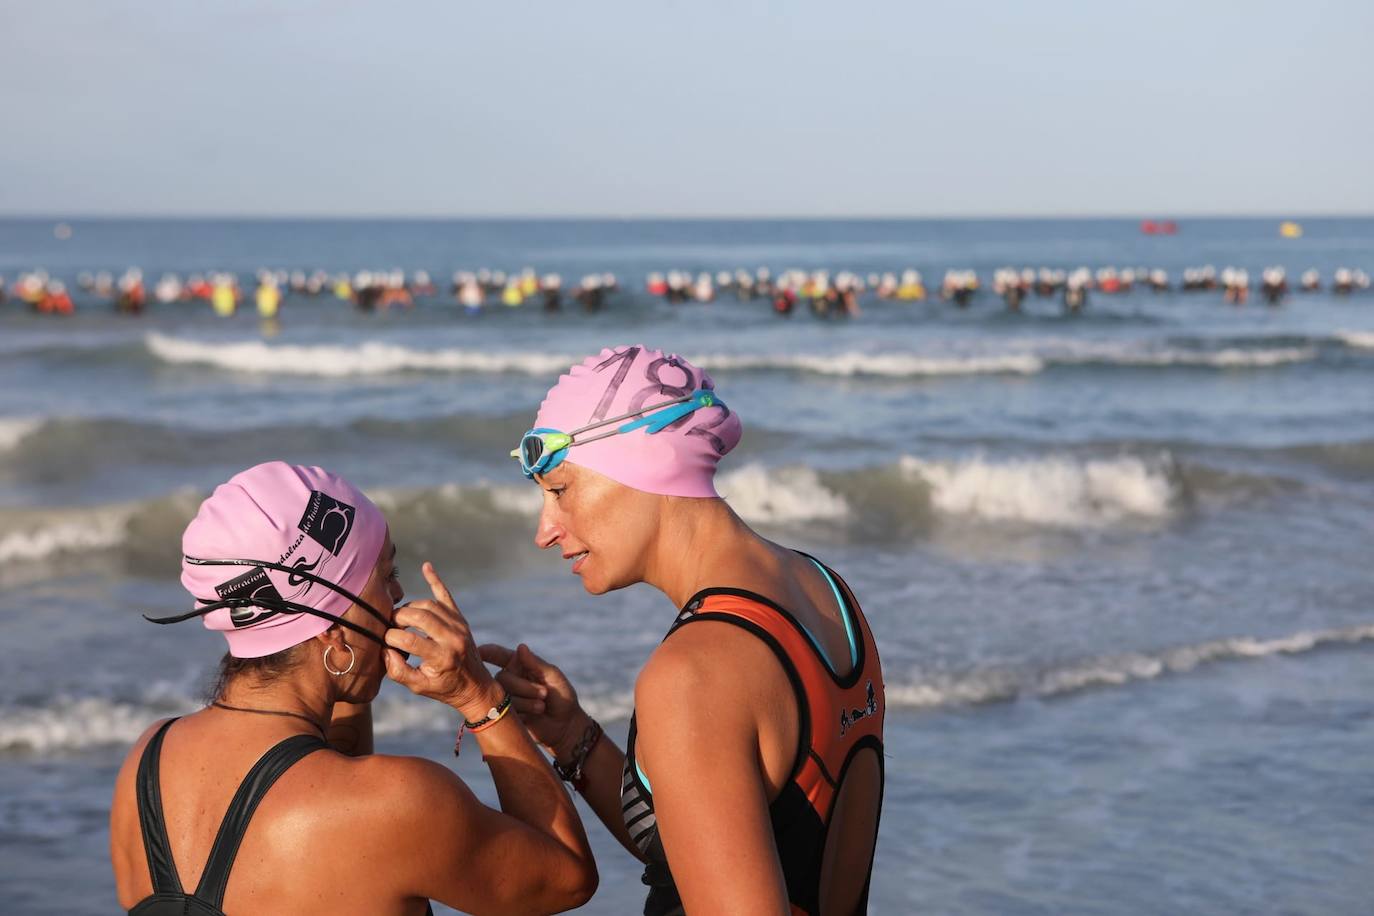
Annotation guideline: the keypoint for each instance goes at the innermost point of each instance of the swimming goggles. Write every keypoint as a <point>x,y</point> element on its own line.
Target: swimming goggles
<point>281,606</point>
<point>542,450</point>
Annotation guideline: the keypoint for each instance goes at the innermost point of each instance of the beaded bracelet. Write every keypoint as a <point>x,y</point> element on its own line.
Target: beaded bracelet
<point>494,715</point>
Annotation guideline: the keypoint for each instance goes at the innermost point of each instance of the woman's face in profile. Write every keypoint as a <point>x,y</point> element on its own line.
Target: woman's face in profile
<point>603,528</point>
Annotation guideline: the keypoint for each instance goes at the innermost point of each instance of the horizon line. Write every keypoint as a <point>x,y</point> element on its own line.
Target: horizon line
<point>649,217</point>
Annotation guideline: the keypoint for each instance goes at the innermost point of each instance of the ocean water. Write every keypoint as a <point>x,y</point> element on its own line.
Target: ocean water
<point>1117,563</point>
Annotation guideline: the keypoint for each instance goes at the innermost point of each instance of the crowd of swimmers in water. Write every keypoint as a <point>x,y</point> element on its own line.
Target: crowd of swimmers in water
<point>823,293</point>
<point>367,290</point>
<point>837,295</point>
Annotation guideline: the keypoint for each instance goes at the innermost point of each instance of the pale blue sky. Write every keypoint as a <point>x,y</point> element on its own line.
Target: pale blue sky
<point>645,107</point>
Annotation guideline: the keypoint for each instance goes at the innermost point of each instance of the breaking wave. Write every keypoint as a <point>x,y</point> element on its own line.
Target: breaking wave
<point>372,358</point>
<point>1228,358</point>
<point>887,365</point>
<point>69,723</point>
<point>781,496</point>
<point>1015,358</point>
<point>39,534</point>
<point>1055,491</point>
<point>474,523</point>
<point>1003,684</point>
<point>486,524</point>
<point>1359,340</point>
<point>14,430</point>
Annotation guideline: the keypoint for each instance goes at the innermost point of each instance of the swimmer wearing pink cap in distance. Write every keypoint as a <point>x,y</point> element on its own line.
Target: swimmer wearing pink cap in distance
<point>295,567</point>
<point>752,776</point>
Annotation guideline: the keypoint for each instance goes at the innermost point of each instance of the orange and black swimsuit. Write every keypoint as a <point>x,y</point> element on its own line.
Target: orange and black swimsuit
<point>839,717</point>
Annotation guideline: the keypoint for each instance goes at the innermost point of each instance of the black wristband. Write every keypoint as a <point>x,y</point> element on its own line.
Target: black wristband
<point>573,772</point>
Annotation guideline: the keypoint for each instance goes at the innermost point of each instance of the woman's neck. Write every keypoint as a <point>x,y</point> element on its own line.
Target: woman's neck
<point>303,695</point>
<point>702,541</point>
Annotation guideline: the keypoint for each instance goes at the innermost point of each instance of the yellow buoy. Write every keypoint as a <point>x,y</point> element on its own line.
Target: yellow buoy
<point>1290,230</point>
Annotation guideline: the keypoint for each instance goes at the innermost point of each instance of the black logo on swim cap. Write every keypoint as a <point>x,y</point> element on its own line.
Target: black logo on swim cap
<point>293,580</point>
<point>327,521</point>
<point>255,586</point>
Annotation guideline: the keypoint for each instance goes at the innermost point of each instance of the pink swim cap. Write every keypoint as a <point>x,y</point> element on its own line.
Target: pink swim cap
<point>290,515</point>
<point>678,461</point>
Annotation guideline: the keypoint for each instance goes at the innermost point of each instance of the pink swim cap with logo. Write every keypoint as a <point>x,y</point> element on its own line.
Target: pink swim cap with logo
<point>302,517</point>
<point>678,461</point>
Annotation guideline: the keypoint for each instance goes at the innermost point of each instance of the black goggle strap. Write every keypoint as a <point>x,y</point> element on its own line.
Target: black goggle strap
<point>281,607</point>
<point>299,574</point>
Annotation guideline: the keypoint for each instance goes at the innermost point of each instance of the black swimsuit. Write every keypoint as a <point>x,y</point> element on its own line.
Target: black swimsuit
<point>168,897</point>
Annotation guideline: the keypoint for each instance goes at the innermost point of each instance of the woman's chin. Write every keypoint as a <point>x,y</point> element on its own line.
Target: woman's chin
<point>367,692</point>
<point>593,583</point>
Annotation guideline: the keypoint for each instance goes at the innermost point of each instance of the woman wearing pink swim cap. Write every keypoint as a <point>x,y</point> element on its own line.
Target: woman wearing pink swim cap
<point>751,781</point>
<point>270,800</point>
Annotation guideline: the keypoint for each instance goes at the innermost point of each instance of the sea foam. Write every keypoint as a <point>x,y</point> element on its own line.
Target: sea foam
<point>889,365</point>
<point>1004,683</point>
<point>65,532</point>
<point>14,430</point>
<point>1055,491</point>
<point>1015,358</point>
<point>782,496</point>
<point>1360,340</point>
<point>339,361</point>
<point>1058,491</point>
<point>66,723</point>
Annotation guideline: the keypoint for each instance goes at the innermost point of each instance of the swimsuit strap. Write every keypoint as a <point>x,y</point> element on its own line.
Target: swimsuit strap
<point>148,790</point>
<point>260,778</point>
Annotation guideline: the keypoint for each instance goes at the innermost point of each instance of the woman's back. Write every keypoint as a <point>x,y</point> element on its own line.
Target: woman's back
<point>846,668</point>
<point>299,852</point>
<point>336,828</point>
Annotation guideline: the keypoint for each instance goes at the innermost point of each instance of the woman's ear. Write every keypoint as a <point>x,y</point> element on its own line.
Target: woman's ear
<point>332,637</point>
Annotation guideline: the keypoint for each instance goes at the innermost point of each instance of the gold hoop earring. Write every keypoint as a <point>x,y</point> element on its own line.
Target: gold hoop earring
<point>352,657</point>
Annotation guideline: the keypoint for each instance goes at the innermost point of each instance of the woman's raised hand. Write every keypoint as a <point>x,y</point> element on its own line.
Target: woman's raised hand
<point>541,694</point>
<point>450,670</point>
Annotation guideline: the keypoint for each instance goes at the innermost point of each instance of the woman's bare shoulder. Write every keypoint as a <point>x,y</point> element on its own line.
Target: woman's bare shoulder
<point>381,786</point>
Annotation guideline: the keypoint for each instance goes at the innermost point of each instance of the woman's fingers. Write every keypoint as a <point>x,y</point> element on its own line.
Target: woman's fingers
<point>533,664</point>
<point>437,586</point>
<point>529,659</point>
<point>406,641</point>
<point>527,707</point>
<point>518,686</point>
<point>400,672</point>
<point>421,615</point>
<point>495,654</point>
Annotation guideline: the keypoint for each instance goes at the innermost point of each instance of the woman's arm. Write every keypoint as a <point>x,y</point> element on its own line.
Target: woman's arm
<point>602,775</point>
<point>699,744</point>
<point>533,855</point>
<point>548,705</point>
<point>433,838</point>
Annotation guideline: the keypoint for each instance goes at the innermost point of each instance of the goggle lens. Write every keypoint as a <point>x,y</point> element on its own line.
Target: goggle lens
<point>531,450</point>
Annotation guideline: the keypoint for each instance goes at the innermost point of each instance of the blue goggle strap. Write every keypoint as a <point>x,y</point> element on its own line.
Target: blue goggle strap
<point>662,419</point>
